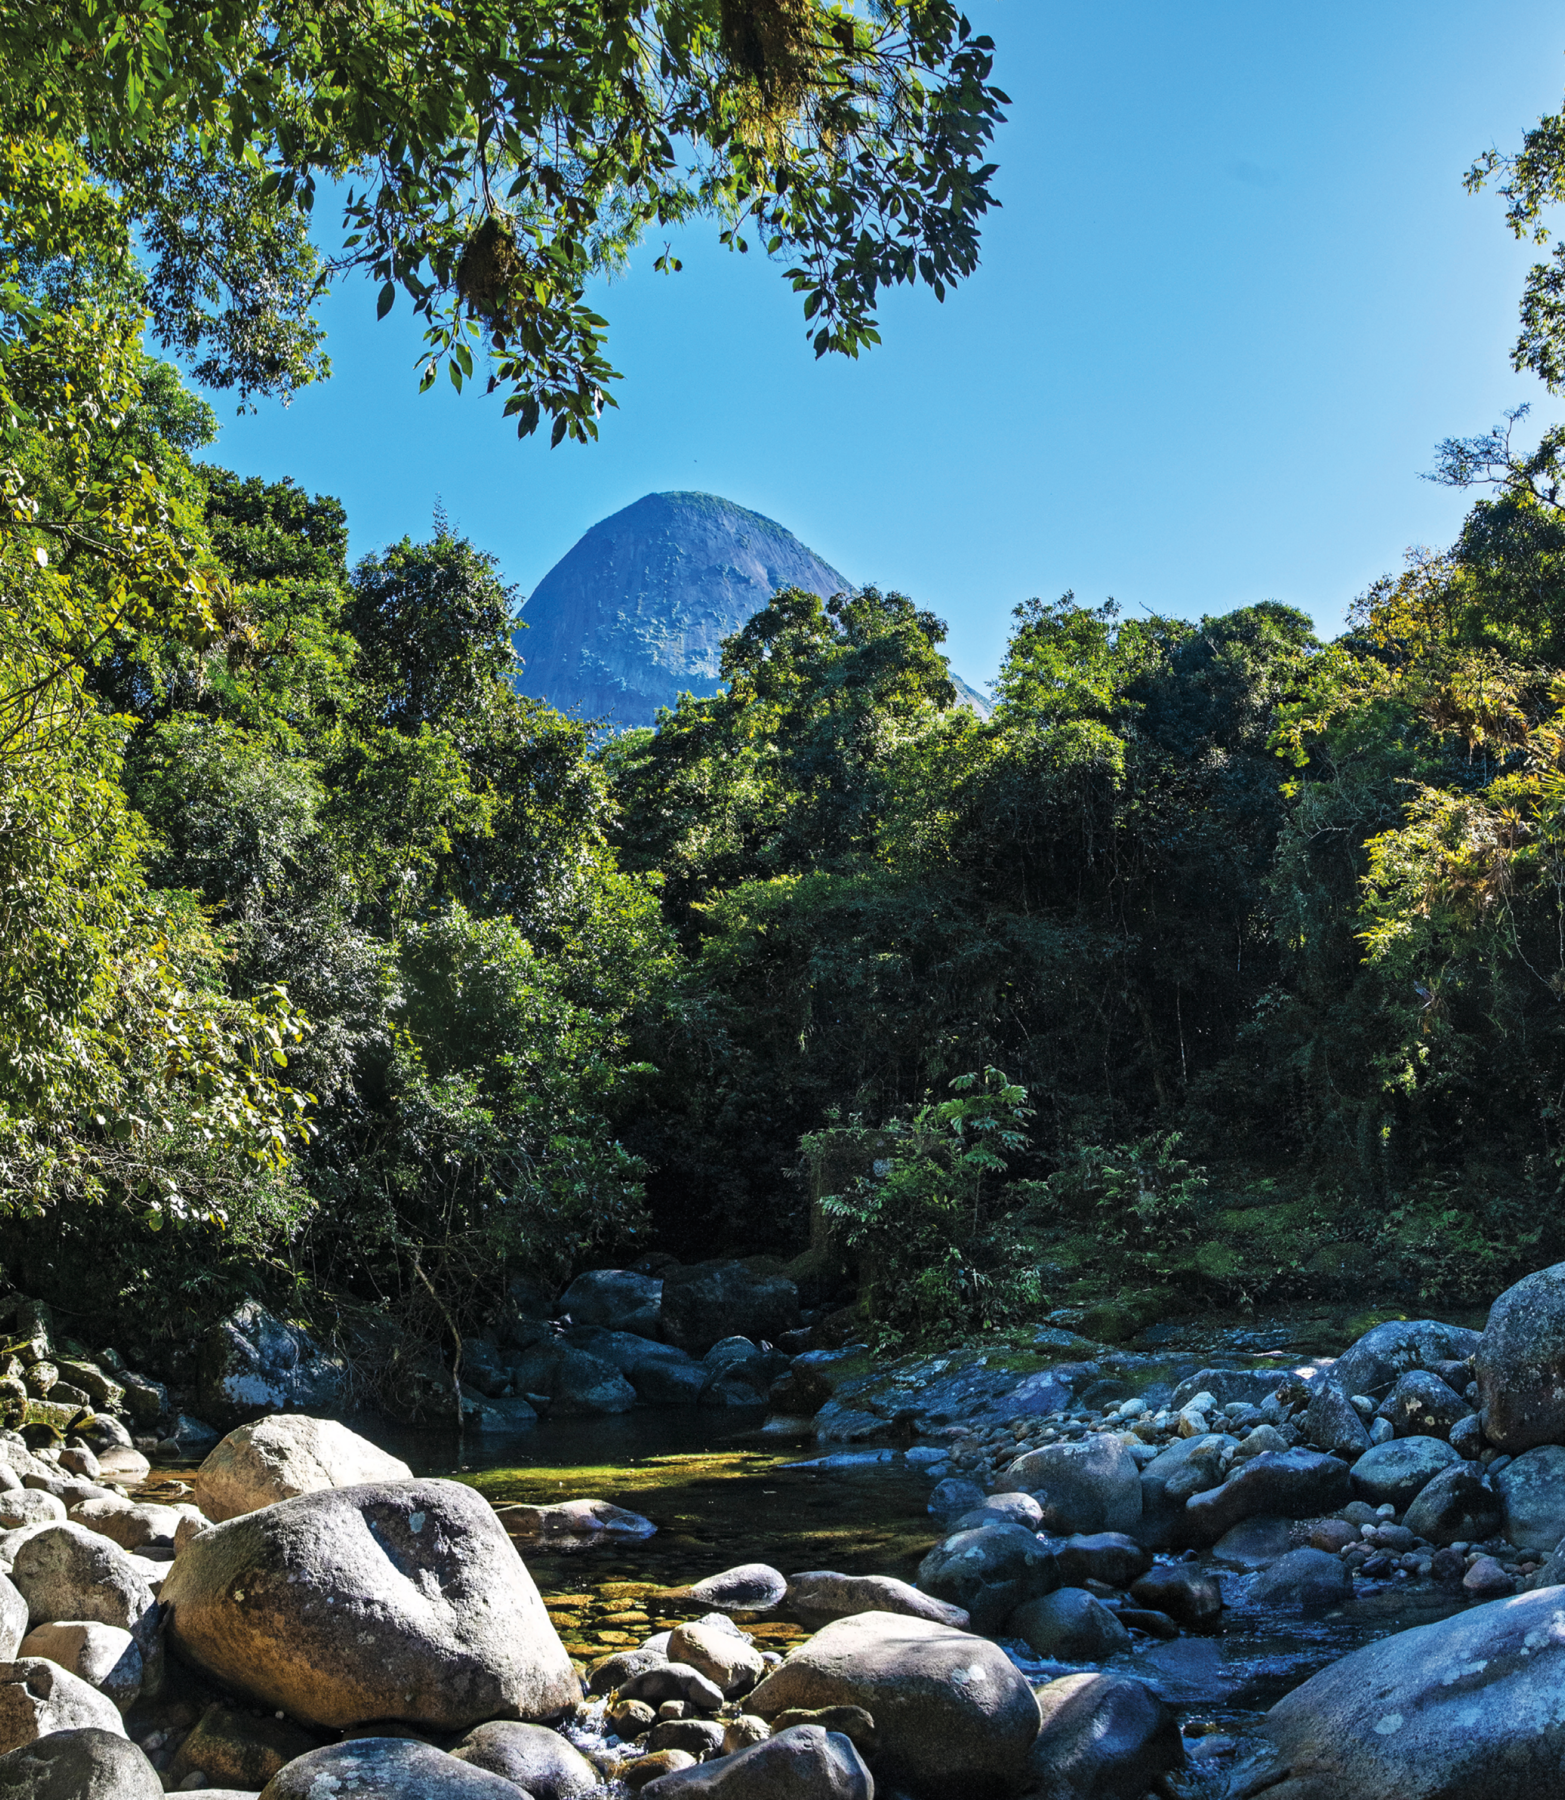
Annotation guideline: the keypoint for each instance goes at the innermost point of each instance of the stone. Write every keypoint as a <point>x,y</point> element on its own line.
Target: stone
<point>1069,1625</point>
<point>643,1770</point>
<point>385,1768</point>
<point>127,1524</point>
<point>726,1658</point>
<point>1396,1472</point>
<point>1004,1509</point>
<point>389,1600</point>
<point>1531,1490</point>
<point>1108,1556</point>
<point>13,1618</point>
<point>750,1587</point>
<point>1519,1364</point>
<point>68,1572</point>
<point>1102,1737</point>
<point>1332,1422</point>
<point>1306,1579</point>
<point>232,1747</point>
<point>279,1457</point>
<point>1226,1386</point>
<point>1334,1535</point>
<point>29,1506</point>
<point>745,1729</point>
<point>630,1718</point>
<point>1373,1364</point>
<point>539,1761</point>
<point>852,1721</point>
<point>661,1374</point>
<point>1093,1485</point>
<point>253,1362</point>
<point>951,1498</point>
<point>1287,1484</point>
<point>1487,1580</point>
<point>611,1672</point>
<point>1187,1595</point>
<point>104,1656</point>
<point>1191,1466</point>
<point>1466,1437</point>
<point>804,1762</point>
<point>38,1697</point>
<point>614,1300</point>
<point>672,1681</point>
<point>590,1521</point>
<point>189,1438</point>
<point>103,1391</point>
<point>953,1713</point>
<point>703,1738</point>
<point>1421,1405</point>
<point>1457,1506</point>
<point>988,1572</point>
<point>577,1385</point>
<point>81,1763</point>
<point>703,1303</point>
<point>817,1596</point>
<point>1469,1708</point>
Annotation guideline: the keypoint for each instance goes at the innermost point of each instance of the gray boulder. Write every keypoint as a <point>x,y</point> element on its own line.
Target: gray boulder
<point>1187,1595</point>
<point>1459,1505</point>
<point>748,1587</point>
<point>13,1618</point>
<point>1332,1423</point>
<point>703,1303</point>
<point>1285,1484</point>
<point>538,1760</point>
<point>988,1572</point>
<point>1229,1385</point>
<point>1305,1579</point>
<point>38,1697</point>
<point>385,1769</point>
<point>1102,1737</point>
<point>614,1299</point>
<point>661,1374</point>
<point>577,1385</point>
<point>232,1747</point>
<point>1108,1556</point>
<point>252,1362</point>
<point>672,1681</point>
<point>84,1763</point>
<point>392,1600</point>
<point>574,1524</point>
<point>68,1572</point>
<point>953,1497</point>
<point>954,1715</point>
<point>1192,1466</point>
<point>817,1596</point>
<point>722,1653</point>
<point>1532,1498</point>
<point>1520,1364</point>
<point>1471,1708</point>
<point>1398,1471</point>
<point>1421,1405</point>
<point>277,1458</point>
<point>103,1656</point>
<point>804,1762</point>
<point>1382,1354</point>
<point>1093,1485</point>
<point>1069,1625</point>
<point>738,1374</point>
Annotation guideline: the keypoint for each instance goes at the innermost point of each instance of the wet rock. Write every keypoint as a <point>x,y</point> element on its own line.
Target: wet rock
<point>1093,1485</point>
<point>988,1572</point>
<point>84,1763</point>
<point>1070,1625</point>
<point>103,1656</point>
<point>277,1458</point>
<point>1187,1595</point>
<point>1421,1405</point>
<point>1332,1422</point>
<point>577,1385</point>
<point>38,1697</point>
<point>1288,1484</point>
<point>582,1520</point>
<point>1466,1438</point>
<point>615,1300</point>
<point>751,1587</point>
<point>253,1362</point>
<point>1373,1364</point>
<point>536,1759</point>
<point>1396,1472</point>
<point>611,1672</point>
<point>1458,1505</point>
<point>1256,1543</point>
<point>1471,1708</point>
<point>817,1596</point>
<point>233,1747</point>
<point>1307,1580</point>
<point>68,1572</point>
<point>802,1763</point>
<point>672,1681</point>
<point>1531,1490</point>
<point>953,1497</point>
<point>1101,1737</point>
<point>661,1374</point>
<point>1108,1556</point>
<point>390,1600</point>
<point>385,1768</point>
<point>725,1657</point>
<point>953,1713</point>
<point>1519,1364</point>
<point>703,1303</point>
<point>643,1770</point>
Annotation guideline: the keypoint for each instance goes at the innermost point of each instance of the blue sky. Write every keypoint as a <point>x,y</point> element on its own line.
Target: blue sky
<point>1235,295</point>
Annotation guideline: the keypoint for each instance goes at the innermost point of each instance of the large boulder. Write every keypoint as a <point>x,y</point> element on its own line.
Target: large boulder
<point>1471,1708</point>
<point>1520,1364</point>
<point>953,1713</point>
<point>1532,1498</point>
<point>989,1572</point>
<point>703,1303</point>
<point>1398,1471</point>
<point>1373,1364</point>
<point>38,1697</point>
<point>231,1747</point>
<point>818,1596</point>
<point>1422,1405</point>
<point>385,1768</point>
<point>68,1572</point>
<point>104,1656</point>
<point>1101,1737</point>
<point>277,1458</point>
<point>615,1300</point>
<point>1191,1466</point>
<point>85,1763</point>
<point>1332,1423</point>
<point>1459,1505</point>
<point>577,1385</point>
<point>1093,1485</point>
<point>661,1374</point>
<point>1284,1484</point>
<point>253,1362</point>
<point>805,1762</point>
<point>719,1651</point>
<point>538,1760</point>
<point>1306,1580</point>
<point>394,1600</point>
<point>1070,1625</point>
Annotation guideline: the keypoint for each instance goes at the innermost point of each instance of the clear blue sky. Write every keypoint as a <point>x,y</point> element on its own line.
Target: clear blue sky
<point>1236,294</point>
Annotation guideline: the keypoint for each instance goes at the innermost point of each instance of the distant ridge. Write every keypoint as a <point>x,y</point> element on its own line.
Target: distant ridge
<point>636,612</point>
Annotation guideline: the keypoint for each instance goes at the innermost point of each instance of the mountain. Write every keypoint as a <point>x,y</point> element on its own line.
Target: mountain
<point>636,613</point>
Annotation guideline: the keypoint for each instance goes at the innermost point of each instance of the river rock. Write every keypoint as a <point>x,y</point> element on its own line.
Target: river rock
<point>852,1721</point>
<point>1187,1595</point>
<point>749,1587</point>
<point>232,1747</point>
<point>727,1659</point>
<point>1398,1471</point>
<point>1191,1466</point>
<point>132,1526</point>
<point>1226,1386</point>
<point>1108,1556</point>
<point>1459,1505</point>
<point>614,1300</point>
<point>1004,1509</point>
<point>1421,1405</point>
<point>390,1600</point>
<point>611,1672</point>
<point>1532,1498</point>
<point>253,1362</point>
<point>661,1374</point>
<point>803,1763</point>
<point>577,1385</point>
<point>703,1303</point>
<point>1307,1580</point>
<point>385,1768</point>
<point>954,1497</point>
<point>1519,1364</point>
<point>1069,1625</point>
<point>1471,1708</point>
<point>1373,1364</point>
<point>1258,1542</point>
<point>68,1572</point>
<point>672,1681</point>
<point>13,1618</point>
<point>587,1520</point>
<point>29,1506</point>
<point>85,1763</point>
<point>103,1656</point>
<point>954,1714</point>
<point>280,1457</point>
<point>1332,1423</point>
<point>988,1572</point>
<point>818,1596</point>
<point>538,1760</point>
<point>1288,1484</point>
<point>1093,1485</point>
<point>38,1697</point>
<point>1101,1737</point>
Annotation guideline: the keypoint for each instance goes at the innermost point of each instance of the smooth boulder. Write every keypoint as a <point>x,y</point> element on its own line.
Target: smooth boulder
<point>1459,1505</point>
<point>953,1713</point>
<point>81,1763</point>
<point>805,1762</point>
<point>286,1455</point>
<point>1519,1364</point>
<point>1373,1364</point>
<point>614,1300</point>
<point>1069,1625</point>
<point>104,1656</point>
<point>1093,1485</point>
<point>989,1572</point>
<point>1332,1422</point>
<point>385,1769</point>
<point>1398,1471</point>
<point>722,1653</point>
<point>703,1303</point>
<point>1284,1484</point>
<point>38,1697</point>
<point>1101,1737</point>
<point>397,1600</point>
<point>1532,1498</point>
<point>1422,1405</point>
<point>1306,1580</point>
<point>818,1596</point>
<point>68,1572</point>
<point>538,1760</point>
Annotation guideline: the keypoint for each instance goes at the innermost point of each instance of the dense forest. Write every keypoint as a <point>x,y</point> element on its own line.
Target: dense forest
<point>1219,963</point>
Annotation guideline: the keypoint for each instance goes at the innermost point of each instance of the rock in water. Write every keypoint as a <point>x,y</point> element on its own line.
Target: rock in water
<point>614,1299</point>
<point>1532,1497</point>
<point>1102,1735</point>
<point>1091,1486</point>
<point>1472,1708</point>
<point>538,1760</point>
<point>750,1587</point>
<point>989,1572</point>
<point>820,1595</point>
<point>954,1714</point>
<point>1307,1579</point>
<point>1288,1484</point>
<point>280,1457</point>
<point>802,1763</point>
<point>1520,1364</point>
<point>395,1600</point>
<point>385,1769</point>
<point>1069,1625</point>
<point>83,1764</point>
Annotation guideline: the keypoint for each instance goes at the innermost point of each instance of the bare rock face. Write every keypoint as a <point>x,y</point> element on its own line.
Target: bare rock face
<point>392,1600</point>
<point>1520,1364</point>
<point>284,1456</point>
<point>253,1362</point>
